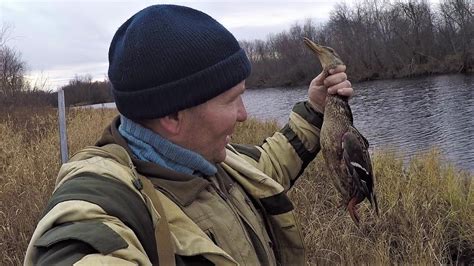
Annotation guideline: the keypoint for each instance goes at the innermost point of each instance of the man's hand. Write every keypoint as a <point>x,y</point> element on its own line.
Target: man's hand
<point>335,83</point>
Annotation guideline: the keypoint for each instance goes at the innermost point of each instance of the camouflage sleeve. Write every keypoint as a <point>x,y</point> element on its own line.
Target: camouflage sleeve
<point>285,155</point>
<point>92,220</point>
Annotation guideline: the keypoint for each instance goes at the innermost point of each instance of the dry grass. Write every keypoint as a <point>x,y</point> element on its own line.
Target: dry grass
<point>427,206</point>
<point>29,162</point>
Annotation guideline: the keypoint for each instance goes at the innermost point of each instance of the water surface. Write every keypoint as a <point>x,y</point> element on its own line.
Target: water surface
<point>408,115</point>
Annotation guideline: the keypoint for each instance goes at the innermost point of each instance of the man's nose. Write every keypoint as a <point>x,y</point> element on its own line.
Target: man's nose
<point>242,112</point>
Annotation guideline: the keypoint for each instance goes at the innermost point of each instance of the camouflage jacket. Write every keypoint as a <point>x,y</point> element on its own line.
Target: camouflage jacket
<point>98,212</point>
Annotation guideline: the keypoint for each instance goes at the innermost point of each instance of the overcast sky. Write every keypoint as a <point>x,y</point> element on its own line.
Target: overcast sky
<point>59,39</point>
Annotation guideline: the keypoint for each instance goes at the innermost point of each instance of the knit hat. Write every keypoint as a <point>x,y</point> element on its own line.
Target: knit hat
<point>167,58</point>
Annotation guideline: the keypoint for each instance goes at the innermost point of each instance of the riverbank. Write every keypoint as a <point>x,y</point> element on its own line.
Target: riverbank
<point>409,72</point>
<point>426,208</point>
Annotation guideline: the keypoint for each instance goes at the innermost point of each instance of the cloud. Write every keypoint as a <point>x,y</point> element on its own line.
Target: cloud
<point>58,76</point>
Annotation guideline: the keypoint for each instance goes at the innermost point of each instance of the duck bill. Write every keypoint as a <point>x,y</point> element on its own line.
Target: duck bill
<point>313,46</point>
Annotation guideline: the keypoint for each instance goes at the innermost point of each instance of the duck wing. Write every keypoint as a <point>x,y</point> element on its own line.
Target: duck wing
<point>356,160</point>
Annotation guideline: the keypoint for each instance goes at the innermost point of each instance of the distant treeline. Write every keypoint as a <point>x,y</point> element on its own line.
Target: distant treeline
<point>375,38</point>
<point>79,91</point>
<point>82,90</point>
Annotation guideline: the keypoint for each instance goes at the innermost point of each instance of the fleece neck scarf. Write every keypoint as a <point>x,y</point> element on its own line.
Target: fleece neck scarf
<point>148,146</point>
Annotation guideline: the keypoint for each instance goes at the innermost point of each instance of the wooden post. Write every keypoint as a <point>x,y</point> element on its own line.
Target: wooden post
<point>62,127</point>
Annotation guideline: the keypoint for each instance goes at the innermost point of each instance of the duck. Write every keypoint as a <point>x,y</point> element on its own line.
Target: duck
<point>344,149</point>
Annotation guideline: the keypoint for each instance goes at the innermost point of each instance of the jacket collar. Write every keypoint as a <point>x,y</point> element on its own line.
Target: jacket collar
<point>181,188</point>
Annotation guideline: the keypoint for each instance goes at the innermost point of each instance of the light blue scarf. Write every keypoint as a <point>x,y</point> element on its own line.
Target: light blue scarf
<point>151,147</point>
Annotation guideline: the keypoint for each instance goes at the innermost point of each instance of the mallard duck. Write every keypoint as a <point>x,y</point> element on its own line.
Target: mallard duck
<point>344,149</point>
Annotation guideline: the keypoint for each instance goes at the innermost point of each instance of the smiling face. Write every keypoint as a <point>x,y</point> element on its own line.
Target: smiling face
<point>206,128</point>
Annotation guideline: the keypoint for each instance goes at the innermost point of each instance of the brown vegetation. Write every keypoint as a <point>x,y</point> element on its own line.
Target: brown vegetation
<point>427,206</point>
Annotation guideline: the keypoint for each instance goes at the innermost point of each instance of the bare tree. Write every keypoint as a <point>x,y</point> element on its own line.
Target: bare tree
<point>12,68</point>
<point>458,28</point>
<point>12,71</point>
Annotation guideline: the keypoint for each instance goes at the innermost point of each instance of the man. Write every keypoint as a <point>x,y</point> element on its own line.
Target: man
<point>177,77</point>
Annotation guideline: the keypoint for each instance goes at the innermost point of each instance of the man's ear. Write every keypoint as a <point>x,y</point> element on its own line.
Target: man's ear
<point>171,124</point>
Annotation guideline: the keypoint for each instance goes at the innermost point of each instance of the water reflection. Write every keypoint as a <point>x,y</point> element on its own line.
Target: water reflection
<point>409,115</point>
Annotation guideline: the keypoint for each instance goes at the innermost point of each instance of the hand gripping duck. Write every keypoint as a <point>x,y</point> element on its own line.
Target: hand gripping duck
<point>344,149</point>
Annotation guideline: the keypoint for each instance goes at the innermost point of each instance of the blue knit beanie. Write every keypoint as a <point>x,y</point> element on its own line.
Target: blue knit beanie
<point>167,58</point>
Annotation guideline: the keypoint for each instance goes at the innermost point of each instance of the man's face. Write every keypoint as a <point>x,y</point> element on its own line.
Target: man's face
<point>207,127</point>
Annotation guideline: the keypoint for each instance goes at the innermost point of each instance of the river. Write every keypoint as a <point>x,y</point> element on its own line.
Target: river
<point>406,115</point>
